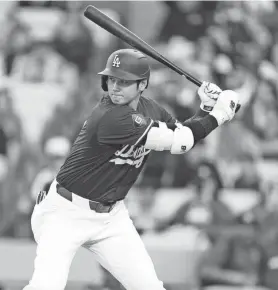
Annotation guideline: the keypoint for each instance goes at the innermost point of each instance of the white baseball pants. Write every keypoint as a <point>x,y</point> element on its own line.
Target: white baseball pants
<point>60,227</point>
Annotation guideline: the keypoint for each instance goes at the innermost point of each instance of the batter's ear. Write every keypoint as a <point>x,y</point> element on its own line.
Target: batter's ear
<point>143,85</point>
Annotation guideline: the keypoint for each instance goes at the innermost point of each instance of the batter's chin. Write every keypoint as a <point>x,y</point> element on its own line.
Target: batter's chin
<point>118,100</point>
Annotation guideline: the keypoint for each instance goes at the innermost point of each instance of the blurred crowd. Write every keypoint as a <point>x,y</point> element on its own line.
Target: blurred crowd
<point>223,194</point>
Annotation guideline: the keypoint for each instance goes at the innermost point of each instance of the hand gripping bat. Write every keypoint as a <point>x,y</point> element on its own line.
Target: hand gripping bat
<point>115,28</point>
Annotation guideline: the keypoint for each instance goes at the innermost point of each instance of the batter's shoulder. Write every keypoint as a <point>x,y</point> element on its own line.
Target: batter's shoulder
<point>149,102</point>
<point>117,114</point>
<point>112,113</point>
<point>157,110</point>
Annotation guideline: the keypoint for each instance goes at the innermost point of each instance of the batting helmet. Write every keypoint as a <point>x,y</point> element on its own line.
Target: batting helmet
<point>126,64</point>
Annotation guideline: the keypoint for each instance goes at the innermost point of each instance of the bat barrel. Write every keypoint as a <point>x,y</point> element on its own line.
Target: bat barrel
<point>126,35</point>
<point>118,30</point>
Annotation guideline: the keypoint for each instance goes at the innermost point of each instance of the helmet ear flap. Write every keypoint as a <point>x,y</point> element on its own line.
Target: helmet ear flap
<point>104,83</point>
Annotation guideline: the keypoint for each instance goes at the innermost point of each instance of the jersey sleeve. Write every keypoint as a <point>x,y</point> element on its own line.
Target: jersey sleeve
<point>123,125</point>
<point>167,117</point>
<point>164,115</point>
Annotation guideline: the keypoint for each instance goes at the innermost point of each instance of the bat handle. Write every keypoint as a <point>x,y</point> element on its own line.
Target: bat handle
<point>193,80</point>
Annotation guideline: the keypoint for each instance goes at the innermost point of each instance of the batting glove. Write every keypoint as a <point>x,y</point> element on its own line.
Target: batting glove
<point>208,93</point>
<point>225,107</point>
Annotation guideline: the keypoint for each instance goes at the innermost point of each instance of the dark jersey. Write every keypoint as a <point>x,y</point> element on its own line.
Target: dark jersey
<point>108,154</point>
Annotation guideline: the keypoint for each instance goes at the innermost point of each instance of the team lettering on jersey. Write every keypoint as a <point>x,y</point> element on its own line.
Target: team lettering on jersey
<point>131,155</point>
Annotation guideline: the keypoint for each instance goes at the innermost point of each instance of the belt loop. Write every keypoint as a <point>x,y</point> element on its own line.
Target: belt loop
<point>111,207</point>
<point>41,196</point>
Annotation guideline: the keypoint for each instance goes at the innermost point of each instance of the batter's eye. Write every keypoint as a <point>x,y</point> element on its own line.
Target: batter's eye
<point>121,82</point>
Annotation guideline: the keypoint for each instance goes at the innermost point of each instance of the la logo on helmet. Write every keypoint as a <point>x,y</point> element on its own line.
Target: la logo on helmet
<point>116,61</point>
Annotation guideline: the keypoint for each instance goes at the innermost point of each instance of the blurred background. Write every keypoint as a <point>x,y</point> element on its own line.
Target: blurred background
<point>208,218</point>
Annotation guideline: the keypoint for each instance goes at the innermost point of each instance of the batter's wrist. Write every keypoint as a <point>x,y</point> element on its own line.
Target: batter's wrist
<point>206,108</point>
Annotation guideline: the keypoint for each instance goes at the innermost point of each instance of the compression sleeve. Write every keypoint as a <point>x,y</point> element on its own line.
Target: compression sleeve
<point>201,127</point>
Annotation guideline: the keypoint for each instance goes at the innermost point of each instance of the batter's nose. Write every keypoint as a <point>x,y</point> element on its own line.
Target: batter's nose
<point>116,85</point>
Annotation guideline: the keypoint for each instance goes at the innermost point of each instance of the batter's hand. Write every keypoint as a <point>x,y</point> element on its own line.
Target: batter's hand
<point>225,107</point>
<point>208,93</point>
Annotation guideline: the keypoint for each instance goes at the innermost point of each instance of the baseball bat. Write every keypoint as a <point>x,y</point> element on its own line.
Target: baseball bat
<point>115,28</point>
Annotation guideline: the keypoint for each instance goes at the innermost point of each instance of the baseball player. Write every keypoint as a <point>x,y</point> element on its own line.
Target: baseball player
<point>85,203</point>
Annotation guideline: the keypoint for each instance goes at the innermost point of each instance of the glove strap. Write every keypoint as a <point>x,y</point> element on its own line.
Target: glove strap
<point>206,108</point>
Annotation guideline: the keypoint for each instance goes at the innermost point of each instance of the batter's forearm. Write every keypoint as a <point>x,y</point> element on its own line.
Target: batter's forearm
<point>200,114</point>
<point>201,127</point>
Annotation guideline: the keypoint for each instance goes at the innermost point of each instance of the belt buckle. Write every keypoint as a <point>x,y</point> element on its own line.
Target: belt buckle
<point>100,207</point>
<point>104,208</point>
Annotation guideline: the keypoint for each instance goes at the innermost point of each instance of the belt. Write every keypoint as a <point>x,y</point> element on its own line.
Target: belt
<point>93,205</point>
<point>76,199</point>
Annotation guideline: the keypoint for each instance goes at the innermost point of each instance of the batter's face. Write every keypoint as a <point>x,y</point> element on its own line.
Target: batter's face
<point>123,92</point>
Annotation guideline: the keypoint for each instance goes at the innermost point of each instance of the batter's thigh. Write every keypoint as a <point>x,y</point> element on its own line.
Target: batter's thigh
<point>57,243</point>
<point>123,254</point>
